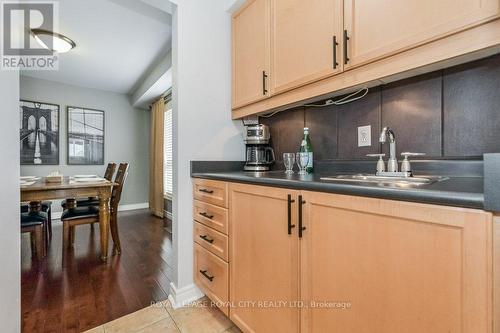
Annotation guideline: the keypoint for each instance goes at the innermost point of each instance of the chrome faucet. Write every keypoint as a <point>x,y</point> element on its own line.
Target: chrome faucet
<point>388,135</point>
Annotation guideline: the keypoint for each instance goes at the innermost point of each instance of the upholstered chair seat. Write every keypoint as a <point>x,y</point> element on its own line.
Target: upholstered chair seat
<point>80,212</point>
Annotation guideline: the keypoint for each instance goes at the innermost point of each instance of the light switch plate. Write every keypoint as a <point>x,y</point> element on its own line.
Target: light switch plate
<point>364,136</point>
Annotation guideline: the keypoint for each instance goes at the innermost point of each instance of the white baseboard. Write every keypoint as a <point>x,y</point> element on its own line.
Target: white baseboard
<point>143,205</point>
<point>121,208</point>
<point>183,296</point>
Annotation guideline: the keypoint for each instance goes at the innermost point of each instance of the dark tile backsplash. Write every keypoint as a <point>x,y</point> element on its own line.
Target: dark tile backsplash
<point>323,122</point>
<point>412,108</point>
<point>452,113</point>
<point>365,111</point>
<point>287,129</point>
<point>471,101</point>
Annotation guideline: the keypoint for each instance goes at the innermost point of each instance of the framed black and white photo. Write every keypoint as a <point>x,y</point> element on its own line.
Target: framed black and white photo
<point>85,136</point>
<point>39,133</point>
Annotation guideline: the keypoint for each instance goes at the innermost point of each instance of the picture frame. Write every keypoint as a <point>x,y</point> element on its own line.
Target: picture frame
<point>85,136</point>
<point>39,132</point>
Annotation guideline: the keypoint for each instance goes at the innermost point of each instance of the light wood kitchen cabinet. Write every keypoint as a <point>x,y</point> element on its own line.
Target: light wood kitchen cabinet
<point>211,274</point>
<point>403,267</point>
<point>264,259</point>
<point>211,239</point>
<point>210,215</point>
<point>306,41</point>
<point>251,33</point>
<point>283,49</point>
<point>357,264</point>
<point>210,191</point>
<point>377,29</point>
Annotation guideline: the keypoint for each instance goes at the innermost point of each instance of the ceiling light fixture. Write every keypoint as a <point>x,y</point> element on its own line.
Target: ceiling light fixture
<point>59,43</point>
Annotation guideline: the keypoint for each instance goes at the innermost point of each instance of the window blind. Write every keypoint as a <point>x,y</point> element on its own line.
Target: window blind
<point>167,150</point>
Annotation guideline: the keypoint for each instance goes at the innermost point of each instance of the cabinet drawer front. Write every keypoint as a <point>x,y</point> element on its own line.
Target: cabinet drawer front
<point>211,274</point>
<point>211,191</point>
<point>211,240</point>
<point>210,215</point>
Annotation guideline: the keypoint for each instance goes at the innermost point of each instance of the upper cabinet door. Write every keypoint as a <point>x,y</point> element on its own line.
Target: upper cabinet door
<point>304,34</point>
<point>251,29</point>
<point>377,29</point>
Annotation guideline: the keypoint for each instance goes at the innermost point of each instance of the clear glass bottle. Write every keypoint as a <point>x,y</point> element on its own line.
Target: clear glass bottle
<point>306,147</point>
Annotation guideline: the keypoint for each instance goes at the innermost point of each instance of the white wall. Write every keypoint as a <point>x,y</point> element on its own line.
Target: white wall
<point>203,129</point>
<point>126,133</point>
<point>10,306</point>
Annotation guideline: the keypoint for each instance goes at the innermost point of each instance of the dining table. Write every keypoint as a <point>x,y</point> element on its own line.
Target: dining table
<point>40,190</point>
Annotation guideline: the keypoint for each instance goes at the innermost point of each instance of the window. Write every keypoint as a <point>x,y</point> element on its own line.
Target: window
<point>167,150</point>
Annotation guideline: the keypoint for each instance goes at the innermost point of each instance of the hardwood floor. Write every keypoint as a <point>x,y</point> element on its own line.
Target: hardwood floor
<point>82,292</point>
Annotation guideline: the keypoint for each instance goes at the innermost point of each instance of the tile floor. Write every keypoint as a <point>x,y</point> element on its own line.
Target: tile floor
<point>199,317</point>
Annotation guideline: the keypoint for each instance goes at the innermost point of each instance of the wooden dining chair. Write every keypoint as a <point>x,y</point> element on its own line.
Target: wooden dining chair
<point>46,207</point>
<point>90,201</point>
<point>116,195</point>
<point>33,222</point>
<point>73,217</point>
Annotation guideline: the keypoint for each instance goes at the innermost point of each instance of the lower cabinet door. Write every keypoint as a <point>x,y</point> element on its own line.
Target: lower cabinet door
<point>371,265</point>
<point>264,259</point>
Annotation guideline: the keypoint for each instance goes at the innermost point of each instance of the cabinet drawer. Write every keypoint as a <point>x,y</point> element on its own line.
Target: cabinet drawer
<point>211,275</point>
<point>211,240</point>
<point>210,215</point>
<point>211,191</point>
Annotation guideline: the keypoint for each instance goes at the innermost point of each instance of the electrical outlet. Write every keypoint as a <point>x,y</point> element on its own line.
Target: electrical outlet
<point>364,136</point>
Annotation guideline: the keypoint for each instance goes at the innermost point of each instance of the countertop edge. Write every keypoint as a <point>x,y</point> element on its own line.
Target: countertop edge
<point>445,198</point>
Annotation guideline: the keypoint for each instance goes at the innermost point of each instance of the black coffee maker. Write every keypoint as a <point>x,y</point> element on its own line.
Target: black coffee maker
<point>259,154</point>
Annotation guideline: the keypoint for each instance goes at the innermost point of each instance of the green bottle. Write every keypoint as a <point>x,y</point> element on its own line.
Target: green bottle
<point>306,147</point>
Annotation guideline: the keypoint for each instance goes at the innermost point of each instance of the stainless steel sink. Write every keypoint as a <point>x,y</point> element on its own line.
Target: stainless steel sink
<point>387,181</point>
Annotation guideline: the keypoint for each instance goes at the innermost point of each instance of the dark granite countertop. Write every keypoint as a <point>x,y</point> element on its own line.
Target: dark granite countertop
<point>461,191</point>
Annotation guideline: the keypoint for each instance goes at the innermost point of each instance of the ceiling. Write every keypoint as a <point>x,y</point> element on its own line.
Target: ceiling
<point>118,42</point>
